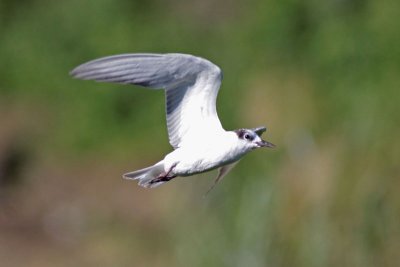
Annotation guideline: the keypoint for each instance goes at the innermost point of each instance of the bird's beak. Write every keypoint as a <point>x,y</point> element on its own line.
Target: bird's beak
<point>264,143</point>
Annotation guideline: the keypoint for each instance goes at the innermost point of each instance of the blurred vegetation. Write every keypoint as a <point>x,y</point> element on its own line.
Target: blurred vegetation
<point>322,75</point>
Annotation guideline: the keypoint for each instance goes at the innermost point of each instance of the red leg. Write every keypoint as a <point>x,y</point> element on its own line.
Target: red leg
<point>164,177</point>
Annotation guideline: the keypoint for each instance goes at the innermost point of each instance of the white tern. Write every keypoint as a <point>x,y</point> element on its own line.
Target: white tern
<point>191,86</point>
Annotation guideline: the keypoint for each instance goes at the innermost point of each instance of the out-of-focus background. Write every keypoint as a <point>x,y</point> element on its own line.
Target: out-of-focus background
<point>324,76</point>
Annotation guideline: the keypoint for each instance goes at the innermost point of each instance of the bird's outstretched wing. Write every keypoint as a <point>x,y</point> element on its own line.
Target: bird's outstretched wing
<point>191,86</point>
<point>221,173</point>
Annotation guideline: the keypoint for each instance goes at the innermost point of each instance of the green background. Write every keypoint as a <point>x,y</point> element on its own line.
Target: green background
<point>322,75</point>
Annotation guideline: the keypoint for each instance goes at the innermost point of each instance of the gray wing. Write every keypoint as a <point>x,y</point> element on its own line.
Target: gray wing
<point>191,85</point>
<point>221,174</point>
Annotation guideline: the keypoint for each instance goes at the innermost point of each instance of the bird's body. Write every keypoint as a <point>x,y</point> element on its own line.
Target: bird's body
<point>191,86</point>
<point>214,153</point>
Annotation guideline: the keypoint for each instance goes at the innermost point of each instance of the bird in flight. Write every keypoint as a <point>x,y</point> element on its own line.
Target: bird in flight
<point>191,85</point>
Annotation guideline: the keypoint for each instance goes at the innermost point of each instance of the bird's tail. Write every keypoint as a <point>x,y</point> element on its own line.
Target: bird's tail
<point>147,175</point>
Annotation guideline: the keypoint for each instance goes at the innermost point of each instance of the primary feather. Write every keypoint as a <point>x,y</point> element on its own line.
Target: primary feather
<point>191,86</point>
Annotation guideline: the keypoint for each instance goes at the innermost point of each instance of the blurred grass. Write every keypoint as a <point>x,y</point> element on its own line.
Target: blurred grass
<point>323,76</point>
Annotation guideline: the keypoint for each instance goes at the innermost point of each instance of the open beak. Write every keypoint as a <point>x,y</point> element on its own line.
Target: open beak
<point>264,143</point>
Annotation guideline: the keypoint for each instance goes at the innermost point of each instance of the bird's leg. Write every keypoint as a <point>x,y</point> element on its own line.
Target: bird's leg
<point>164,176</point>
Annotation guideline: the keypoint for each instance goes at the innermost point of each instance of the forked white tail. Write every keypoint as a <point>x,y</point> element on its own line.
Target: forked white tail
<point>146,175</point>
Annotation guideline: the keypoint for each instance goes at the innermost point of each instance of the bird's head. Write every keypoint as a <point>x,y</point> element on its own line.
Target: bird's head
<point>251,138</point>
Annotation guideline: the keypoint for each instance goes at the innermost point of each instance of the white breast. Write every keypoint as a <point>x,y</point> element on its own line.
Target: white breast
<point>206,154</point>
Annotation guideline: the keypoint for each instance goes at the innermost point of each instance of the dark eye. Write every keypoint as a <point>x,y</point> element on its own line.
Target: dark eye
<point>247,136</point>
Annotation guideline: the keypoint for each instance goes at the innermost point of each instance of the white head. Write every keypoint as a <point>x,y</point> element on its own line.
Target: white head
<point>250,139</point>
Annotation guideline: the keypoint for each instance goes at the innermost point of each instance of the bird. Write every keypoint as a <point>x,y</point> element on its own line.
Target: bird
<point>191,86</point>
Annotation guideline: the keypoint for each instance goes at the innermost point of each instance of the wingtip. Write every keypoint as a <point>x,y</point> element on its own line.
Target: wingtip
<point>260,130</point>
<point>74,73</point>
